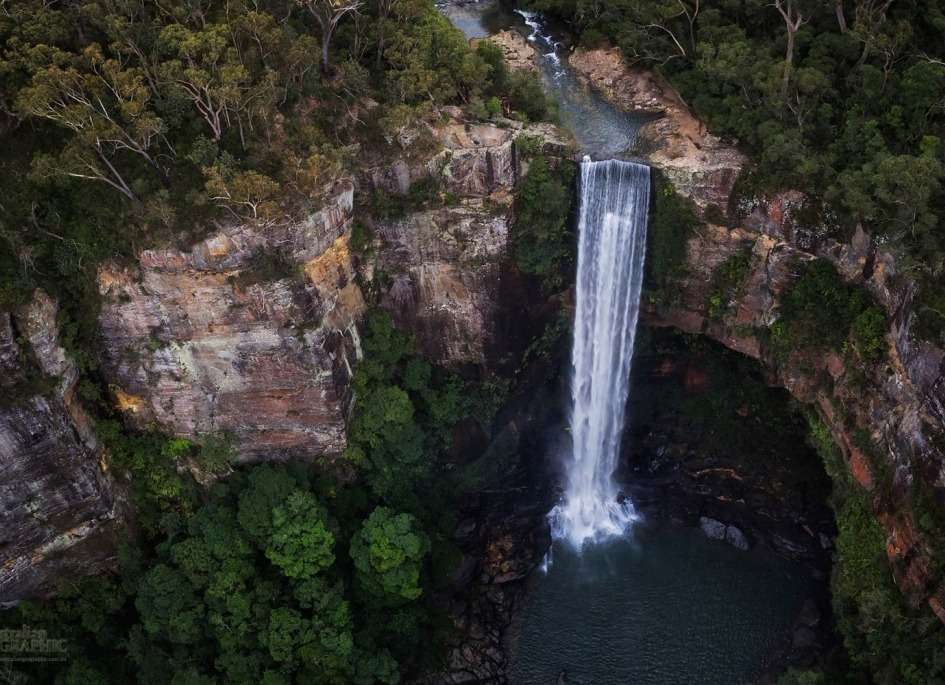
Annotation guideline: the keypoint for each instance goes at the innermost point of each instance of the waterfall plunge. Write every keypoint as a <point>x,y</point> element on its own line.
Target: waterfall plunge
<point>612,242</point>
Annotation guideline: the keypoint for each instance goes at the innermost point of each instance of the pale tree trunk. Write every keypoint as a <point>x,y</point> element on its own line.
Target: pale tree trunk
<point>841,20</point>
<point>691,16</point>
<point>383,16</point>
<point>328,13</point>
<point>326,37</point>
<point>793,20</point>
<point>869,16</point>
<point>788,66</point>
<point>381,23</point>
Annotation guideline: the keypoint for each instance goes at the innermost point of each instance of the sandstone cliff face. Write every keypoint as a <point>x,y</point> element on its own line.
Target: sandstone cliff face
<point>441,271</point>
<point>60,509</point>
<point>211,341</point>
<point>220,339</point>
<point>445,266</point>
<point>701,166</point>
<point>901,404</point>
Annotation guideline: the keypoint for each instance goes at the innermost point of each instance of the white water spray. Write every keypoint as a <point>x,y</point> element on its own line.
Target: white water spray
<point>611,245</point>
<point>548,47</point>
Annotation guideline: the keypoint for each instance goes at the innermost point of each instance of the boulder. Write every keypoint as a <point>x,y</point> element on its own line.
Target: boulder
<point>518,52</point>
<point>713,529</point>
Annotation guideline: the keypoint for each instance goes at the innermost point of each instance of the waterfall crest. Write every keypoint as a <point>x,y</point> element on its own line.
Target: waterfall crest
<point>611,247</point>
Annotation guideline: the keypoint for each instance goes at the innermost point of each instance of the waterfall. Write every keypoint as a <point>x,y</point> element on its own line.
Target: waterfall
<point>611,246</point>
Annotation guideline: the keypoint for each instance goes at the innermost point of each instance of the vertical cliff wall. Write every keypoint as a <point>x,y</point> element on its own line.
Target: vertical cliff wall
<point>252,331</point>
<point>249,332</point>
<point>444,271</point>
<point>60,509</point>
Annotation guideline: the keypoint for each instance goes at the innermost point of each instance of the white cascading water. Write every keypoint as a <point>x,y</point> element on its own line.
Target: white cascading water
<point>611,245</point>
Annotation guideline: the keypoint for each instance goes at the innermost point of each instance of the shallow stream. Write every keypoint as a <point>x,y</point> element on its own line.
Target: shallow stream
<point>601,131</point>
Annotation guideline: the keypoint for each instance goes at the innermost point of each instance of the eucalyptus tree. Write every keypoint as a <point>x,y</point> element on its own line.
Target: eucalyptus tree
<point>383,9</point>
<point>328,13</point>
<point>246,195</point>
<point>104,104</point>
<point>790,12</point>
<point>205,67</point>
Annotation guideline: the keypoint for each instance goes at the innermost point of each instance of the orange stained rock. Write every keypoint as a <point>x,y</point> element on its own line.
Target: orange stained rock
<point>860,469</point>
<point>696,378</point>
<point>126,402</point>
<point>936,605</point>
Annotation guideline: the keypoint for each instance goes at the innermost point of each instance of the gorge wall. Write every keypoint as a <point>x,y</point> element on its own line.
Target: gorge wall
<point>199,342</point>
<point>444,270</point>
<point>61,509</point>
<point>220,338</point>
<point>899,403</point>
<point>251,332</point>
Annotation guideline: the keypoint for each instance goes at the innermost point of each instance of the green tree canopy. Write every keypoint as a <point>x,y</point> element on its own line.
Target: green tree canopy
<point>300,542</point>
<point>388,553</point>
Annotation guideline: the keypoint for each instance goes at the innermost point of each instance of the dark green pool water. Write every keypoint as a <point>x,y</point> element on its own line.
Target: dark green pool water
<point>668,607</point>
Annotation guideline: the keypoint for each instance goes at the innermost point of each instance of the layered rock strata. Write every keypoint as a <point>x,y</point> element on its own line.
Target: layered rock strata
<point>60,507</point>
<point>250,332</point>
<point>442,271</point>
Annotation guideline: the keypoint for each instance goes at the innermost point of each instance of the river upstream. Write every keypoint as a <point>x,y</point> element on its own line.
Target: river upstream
<point>651,605</point>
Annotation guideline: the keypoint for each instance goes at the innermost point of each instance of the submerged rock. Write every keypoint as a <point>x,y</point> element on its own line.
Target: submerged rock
<point>714,530</point>
<point>736,538</point>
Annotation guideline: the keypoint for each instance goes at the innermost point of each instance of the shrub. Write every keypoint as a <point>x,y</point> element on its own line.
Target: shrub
<point>526,95</point>
<point>527,146</point>
<point>821,312</point>
<point>542,244</point>
<point>726,281</point>
<point>672,221</point>
<point>930,312</point>
<point>361,237</point>
<point>869,333</point>
<point>521,90</point>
